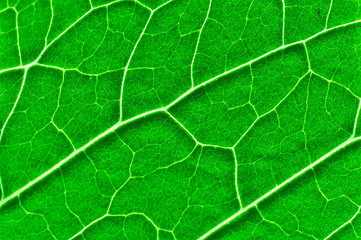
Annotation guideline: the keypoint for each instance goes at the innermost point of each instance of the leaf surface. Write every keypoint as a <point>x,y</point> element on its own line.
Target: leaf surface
<point>180,119</point>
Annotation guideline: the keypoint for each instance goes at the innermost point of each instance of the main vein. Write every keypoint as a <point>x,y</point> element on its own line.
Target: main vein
<point>121,123</point>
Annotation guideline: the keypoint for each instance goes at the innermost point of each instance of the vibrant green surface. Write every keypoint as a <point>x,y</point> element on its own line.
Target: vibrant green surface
<point>180,120</point>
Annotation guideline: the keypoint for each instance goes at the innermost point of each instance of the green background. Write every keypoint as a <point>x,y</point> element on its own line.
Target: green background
<point>183,119</point>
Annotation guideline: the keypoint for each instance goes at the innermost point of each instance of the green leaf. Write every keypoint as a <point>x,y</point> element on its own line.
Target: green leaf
<point>180,119</point>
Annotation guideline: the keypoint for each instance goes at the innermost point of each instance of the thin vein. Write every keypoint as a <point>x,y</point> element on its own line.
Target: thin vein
<point>51,22</point>
<point>220,75</point>
<point>278,187</point>
<point>131,56</point>
<point>328,14</point>
<point>18,36</point>
<point>121,123</point>
<point>283,21</point>
<point>87,226</point>
<point>356,119</point>
<point>307,55</point>
<point>273,109</point>
<point>72,155</point>
<point>1,189</point>
<point>257,59</point>
<point>159,7</point>
<point>343,225</point>
<point>3,128</point>
<point>199,38</point>
<point>184,128</point>
<point>334,82</point>
<point>71,26</point>
<point>236,178</point>
<point>143,5</point>
<point>15,104</point>
<point>349,141</point>
<point>127,66</point>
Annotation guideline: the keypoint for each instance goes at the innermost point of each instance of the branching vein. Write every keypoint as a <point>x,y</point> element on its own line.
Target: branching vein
<point>121,123</point>
<point>352,139</point>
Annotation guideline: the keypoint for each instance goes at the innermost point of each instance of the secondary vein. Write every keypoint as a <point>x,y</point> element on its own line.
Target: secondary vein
<point>121,123</point>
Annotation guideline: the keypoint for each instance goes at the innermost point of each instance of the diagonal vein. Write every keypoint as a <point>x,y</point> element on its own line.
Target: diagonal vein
<point>73,154</point>
<point>343,225</point>
<point>349,141</point>
<point>15,104</point>
<point>278,187</point>
<point>121,123</point>
<point>128,63</point>
<point>199,38</point>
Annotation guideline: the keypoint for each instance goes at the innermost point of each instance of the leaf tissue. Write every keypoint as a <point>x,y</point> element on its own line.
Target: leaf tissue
<point>180,119</point>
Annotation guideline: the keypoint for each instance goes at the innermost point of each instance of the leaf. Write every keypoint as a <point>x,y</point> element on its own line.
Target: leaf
<point>180,119</point>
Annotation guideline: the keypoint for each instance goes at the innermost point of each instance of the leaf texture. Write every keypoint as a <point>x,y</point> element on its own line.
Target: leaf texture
<point>180,119</point>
